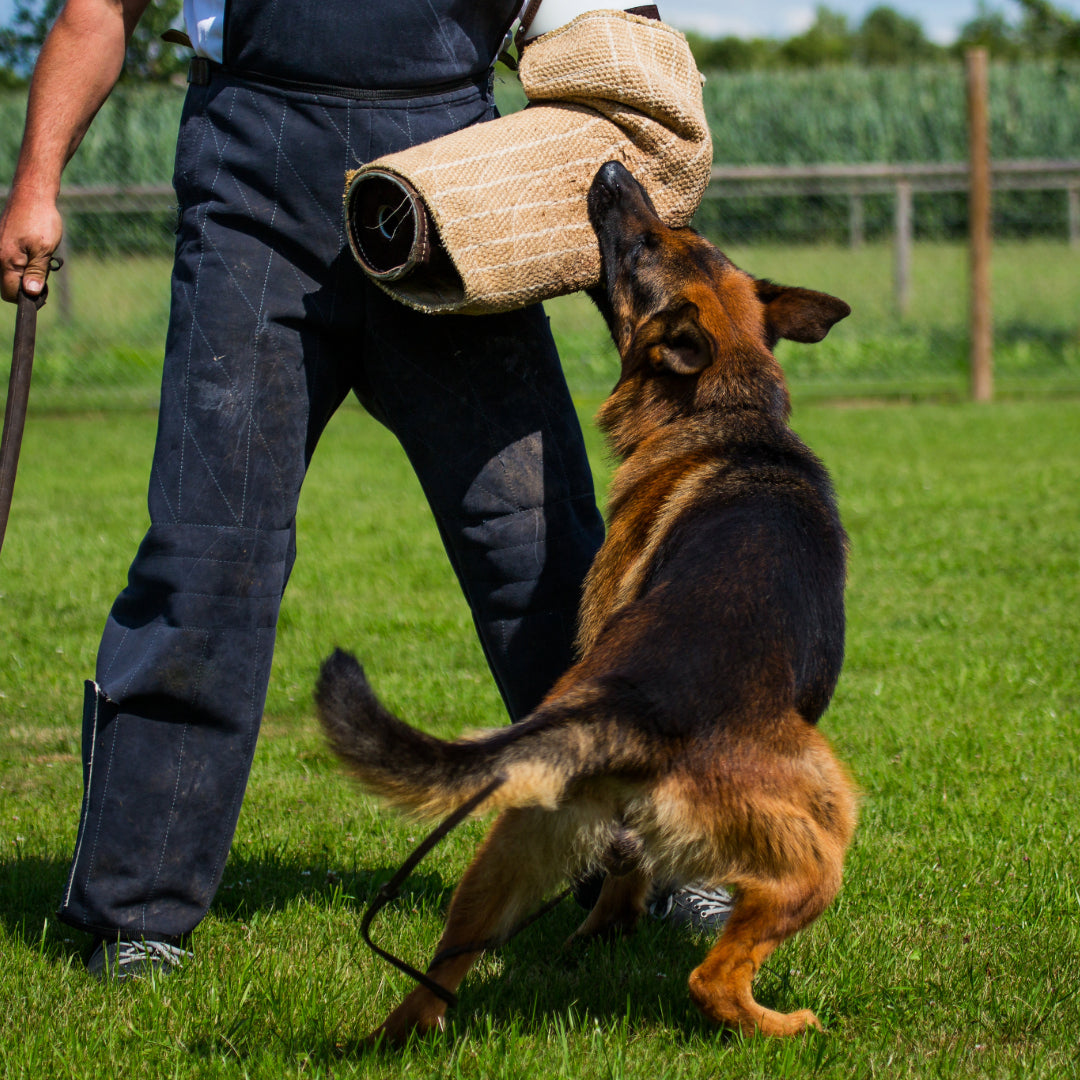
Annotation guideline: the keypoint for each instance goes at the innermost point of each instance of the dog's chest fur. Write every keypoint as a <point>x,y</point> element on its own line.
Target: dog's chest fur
<point>666,475</point>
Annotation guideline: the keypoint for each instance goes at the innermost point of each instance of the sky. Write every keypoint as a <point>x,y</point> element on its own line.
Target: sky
<point>941,19</point>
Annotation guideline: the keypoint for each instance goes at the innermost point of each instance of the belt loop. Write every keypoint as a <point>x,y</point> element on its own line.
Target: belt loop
<point>199,71</point>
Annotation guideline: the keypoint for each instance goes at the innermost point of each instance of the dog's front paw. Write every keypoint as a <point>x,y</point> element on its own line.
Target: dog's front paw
<point>411,1017</point>
<point>786,1024</point>
<point>735,1008</point>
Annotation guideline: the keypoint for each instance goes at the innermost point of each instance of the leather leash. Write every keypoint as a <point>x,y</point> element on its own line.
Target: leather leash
<point>22,363</point>
<point>392,888</point>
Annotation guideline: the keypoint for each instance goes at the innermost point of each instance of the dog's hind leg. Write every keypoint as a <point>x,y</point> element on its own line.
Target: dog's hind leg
<point>523,857</point>
<point>764,915</point>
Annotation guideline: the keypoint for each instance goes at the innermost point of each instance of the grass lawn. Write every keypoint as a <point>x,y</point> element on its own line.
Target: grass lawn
<point>953,949</point>
<point>109,350</point>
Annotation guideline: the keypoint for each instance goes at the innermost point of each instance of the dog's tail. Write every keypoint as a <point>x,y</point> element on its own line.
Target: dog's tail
<point>537,759</point>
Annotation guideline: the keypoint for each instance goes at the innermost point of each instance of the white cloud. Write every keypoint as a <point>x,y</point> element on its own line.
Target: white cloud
<point>942,34</point>
<point>714,24</point>
<point>797,20</point>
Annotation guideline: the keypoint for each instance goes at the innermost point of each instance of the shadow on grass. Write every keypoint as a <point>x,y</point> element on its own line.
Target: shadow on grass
<point>30,890</point>
<point>267,882</point>
<point>640,980</point>
<point>32,887</point>
<point>643,976</point>
<point>533,986</point>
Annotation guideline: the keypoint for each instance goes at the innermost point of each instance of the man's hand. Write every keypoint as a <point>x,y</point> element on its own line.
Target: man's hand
<point>30,232</point>
<point>79,62</point>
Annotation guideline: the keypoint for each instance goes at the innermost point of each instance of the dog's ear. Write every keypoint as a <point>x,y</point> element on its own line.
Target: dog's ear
<point>674,341</point>
<point>798,314</point>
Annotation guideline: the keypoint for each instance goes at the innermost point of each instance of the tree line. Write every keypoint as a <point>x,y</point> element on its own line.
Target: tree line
<point>1030,29</point>
<point>1035,29</point>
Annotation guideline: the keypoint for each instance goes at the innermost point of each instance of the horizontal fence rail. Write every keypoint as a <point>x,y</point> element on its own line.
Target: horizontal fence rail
<point>727,181</point>
<point>902,181</point>
<point>113,198</point>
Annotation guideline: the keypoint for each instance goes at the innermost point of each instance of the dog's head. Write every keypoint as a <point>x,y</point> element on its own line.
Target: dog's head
<point>693,330</point>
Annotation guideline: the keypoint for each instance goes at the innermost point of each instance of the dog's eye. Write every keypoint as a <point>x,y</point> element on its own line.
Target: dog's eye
<point>647,242</point>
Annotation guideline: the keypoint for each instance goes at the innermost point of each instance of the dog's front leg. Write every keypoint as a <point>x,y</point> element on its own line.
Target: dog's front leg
<point>618,907</point>
<point>422,1011</point>
<point>765,914</point>
<point>521,859</point>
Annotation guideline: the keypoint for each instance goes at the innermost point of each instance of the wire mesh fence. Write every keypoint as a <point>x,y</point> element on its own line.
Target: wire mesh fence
<point>838,180</point>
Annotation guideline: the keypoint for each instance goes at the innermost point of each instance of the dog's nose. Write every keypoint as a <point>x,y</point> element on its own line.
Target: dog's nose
<point>612,175</point>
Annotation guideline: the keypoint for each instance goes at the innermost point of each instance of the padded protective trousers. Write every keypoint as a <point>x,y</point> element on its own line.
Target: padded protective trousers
<point>272,324</point>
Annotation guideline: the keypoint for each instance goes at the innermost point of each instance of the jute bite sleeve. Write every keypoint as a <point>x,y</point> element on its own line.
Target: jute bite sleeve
<point>493,217</point>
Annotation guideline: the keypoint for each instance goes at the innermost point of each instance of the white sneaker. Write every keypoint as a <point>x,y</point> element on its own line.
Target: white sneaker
<point>705,909</point>
<point>134,959</point>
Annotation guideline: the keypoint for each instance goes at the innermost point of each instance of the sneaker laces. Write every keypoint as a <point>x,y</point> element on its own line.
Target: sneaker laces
<point>134,952</point>
<point>704,908</point>
<point>707,903</point>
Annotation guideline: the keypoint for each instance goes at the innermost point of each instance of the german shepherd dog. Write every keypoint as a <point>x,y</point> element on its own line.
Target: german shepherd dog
<point>682,745</point>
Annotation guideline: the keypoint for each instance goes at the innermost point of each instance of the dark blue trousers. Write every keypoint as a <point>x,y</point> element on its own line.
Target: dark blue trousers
<point>272,325</point>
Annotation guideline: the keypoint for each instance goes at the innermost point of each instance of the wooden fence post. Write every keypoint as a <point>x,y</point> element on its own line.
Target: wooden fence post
<point>856,222</point>
<point>982,331</point>
<point>902,253</point>
<point>1074,215</point>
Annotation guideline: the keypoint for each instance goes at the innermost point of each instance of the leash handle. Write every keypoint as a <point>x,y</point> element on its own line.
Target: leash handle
<point>18,394</point>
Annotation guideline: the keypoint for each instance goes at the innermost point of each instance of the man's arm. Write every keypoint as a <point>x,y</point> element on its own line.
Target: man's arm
<point>79,64</point>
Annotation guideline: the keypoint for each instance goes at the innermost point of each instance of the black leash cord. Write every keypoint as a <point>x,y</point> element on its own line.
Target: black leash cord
<point>392,888</point>
<point>495,942</point>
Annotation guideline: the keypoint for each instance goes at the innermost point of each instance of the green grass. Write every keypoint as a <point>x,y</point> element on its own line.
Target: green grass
<point>1036,296</point>
<point>102,329</point>
<point>108,352</point>
<point>953,949</point>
